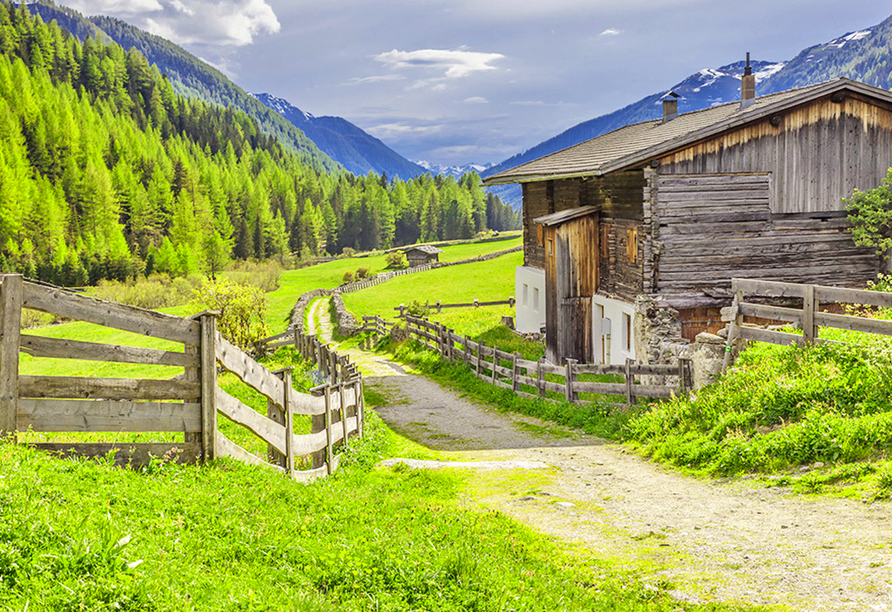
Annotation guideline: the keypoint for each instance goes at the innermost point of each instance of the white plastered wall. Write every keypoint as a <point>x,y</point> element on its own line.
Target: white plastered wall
<point>613,330</point>
<point>529,291</point>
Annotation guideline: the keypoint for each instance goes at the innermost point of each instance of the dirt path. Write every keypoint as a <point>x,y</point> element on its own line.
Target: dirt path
<point>710,541</point>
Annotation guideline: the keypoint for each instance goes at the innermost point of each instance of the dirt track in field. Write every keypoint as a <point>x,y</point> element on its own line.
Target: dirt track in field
<point>700,540</point>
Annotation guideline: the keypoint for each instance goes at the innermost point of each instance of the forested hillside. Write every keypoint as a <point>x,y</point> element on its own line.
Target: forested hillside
<point>187,74</point>
<point>105,172</point>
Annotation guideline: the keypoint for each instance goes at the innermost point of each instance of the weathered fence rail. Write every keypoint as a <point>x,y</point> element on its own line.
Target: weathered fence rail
<point>376,324</point>
<point>809,318</point>
<point>539,378</point>
<point>334,367</point>
<point>439,305</point>
<point>188,404</point>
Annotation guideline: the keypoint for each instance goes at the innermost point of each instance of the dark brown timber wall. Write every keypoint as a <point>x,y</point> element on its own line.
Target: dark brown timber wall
<point>710,228</point>
<point>817,154</point>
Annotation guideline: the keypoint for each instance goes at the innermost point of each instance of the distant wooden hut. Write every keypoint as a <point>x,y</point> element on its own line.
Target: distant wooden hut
<point>668,211</point>
<point>422,254</point>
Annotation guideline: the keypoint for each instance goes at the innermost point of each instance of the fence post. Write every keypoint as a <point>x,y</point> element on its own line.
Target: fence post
<point>11,289</point>
<point>683,369</point>
<point>514,383</point>
<point>289,423</point>
<point>317,424</point>
<point>630,383</point>
<point>296,340</point>
<point>329,445</point>
<point>476,303</point>
<point>809,306</point>
<point>572,396</point>
<point>208,387</point>
<point>734,330</point>
<point>342,393</point>
<point>539,386</point>
<point>360,409</point>
<point>480,346</point>
<point>511,301</point>
<point>439,306</point>
<point>495,363</point>
<point>402,310</point>
<point>277,415</point>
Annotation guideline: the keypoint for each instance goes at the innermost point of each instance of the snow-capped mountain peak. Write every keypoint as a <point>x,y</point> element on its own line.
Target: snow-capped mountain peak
<point>281,106</point>
<point>456,171</point>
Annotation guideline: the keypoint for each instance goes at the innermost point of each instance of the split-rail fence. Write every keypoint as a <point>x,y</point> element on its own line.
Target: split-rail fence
<point>439,305</point>
<point>188,404</point>
<point>540,378</point>
<point>809,318</point>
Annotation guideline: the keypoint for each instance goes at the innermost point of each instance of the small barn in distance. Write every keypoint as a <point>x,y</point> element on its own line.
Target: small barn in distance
<point>633,237</point>
<point>422,254</point>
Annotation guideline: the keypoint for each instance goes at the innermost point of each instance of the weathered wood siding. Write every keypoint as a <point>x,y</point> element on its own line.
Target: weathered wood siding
<point>571,279</point>
<point>538,201</point>
<point>817,154</point>
<point>709,228</point>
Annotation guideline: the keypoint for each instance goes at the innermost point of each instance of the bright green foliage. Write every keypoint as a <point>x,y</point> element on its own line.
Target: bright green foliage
<point>870,213</point>
<point>106,173</point>
<point>242,310</point>
<point>396,260</point>
<point>780,407</point>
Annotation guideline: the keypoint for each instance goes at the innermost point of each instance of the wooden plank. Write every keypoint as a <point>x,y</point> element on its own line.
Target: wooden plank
<point>853,296</point>
<point>600,369</point>
<point>104,415</point>
<point>208,386</point>
<point>110,314</point>
<point>601,388</point>
<point>870,326</point>
<point>11,293</point>
<point>234,360</point>
<point>307,476</point>
<point>527,380</point>
<point>654,391</point>
<point>284,334</point>
<point>556,387</point>
<point>764,311</point>
<point>267,430</point>
<point>767,335</point>
<point>60,348</point>
<point>289,423</point>
<point>305,404</point>
<point>129,455</point>
<point>657,369</point>
<point>70,387</point>
<point>307,444</point>
<point>550,368</point>
<point>228,448</point>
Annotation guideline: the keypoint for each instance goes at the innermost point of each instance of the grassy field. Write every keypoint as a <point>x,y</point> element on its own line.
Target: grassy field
<point>294,283</point>
<point>83,535</point>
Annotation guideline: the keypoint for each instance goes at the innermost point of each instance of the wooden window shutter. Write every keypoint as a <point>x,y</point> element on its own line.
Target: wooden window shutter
<point>605,237</point>
<point>632,245</point>
<point>540,234</point>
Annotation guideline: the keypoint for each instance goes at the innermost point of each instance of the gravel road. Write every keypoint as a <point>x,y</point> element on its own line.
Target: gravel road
<point>712,541</point>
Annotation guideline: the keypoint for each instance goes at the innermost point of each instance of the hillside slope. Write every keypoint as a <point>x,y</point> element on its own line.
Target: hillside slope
<point>357,151</point>
<point>189,76</point>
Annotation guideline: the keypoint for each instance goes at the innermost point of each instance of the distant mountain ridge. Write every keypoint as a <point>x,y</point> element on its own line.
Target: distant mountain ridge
<point>864,55</point>
<point>456,171</point>
<point>357,151</point>
<point>189,75</point>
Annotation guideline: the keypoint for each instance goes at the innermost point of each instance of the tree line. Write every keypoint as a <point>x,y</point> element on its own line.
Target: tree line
<point>105,172</point>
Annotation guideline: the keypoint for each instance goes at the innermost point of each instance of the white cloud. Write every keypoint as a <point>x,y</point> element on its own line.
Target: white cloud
<point>611,32</point>
<point>377,79</point>
<point>385,130</point>
<point>476,100</point>
<point>208,22</point>
<point>454,64</point>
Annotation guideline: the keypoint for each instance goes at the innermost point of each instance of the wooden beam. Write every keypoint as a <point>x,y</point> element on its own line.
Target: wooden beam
<point>69,387</point>
<point>129,455</point>
<point>110,314</point>
<point>60,348</point>
<point>10,323</point>
<point>106,415</point>
<point>208,387</point>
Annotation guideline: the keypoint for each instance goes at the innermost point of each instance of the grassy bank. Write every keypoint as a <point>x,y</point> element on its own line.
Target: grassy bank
<point>82,535</point>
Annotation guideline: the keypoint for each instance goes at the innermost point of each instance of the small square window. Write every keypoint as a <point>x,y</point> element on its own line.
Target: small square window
<point>526,291</point>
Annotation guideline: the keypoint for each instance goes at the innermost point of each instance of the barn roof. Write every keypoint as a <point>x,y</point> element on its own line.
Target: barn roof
<point>424,248</point>
<point>638,143</point>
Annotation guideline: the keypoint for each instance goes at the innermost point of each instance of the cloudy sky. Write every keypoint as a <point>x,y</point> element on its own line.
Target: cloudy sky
<point>460,81</point>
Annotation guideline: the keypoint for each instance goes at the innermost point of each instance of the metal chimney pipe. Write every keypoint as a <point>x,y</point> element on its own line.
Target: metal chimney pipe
<point>747,86</point>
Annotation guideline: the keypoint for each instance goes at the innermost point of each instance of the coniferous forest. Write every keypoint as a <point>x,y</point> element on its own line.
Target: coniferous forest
<point>105,172</point>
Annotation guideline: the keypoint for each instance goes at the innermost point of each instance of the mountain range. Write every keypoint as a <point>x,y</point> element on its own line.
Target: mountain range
<point>865,55</point>
<point>333,143</point>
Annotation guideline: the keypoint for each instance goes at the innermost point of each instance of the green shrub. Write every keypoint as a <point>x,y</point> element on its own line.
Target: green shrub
<point>156,291</point>
<point>396,260</point>
<point>241,308</point>
<point>348,277</point>
<point>361,273</point>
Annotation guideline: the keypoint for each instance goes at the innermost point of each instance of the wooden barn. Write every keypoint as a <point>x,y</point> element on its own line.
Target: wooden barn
<point>422,254</point>
<point>672,209</point>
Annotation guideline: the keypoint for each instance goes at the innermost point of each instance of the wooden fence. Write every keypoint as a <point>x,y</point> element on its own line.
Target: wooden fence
<point>375,324</point>
<point>188,404</point>
<point>401,309</point>
<point>809,318</point>
<point>336,368</point>
<point>541,378</point>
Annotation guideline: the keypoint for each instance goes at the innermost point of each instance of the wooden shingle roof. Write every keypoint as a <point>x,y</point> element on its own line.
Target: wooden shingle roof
<point>638,143</point>
<point>423,248</point>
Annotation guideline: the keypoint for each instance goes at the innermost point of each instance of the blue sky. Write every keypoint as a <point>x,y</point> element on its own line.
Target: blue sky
<point>465,81</point>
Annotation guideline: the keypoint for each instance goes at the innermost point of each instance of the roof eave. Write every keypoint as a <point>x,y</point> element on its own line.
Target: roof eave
<point>534,178</point>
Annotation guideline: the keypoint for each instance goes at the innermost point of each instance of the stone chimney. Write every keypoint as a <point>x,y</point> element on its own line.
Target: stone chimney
<point>747,86</point>
<point>670,106</point>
